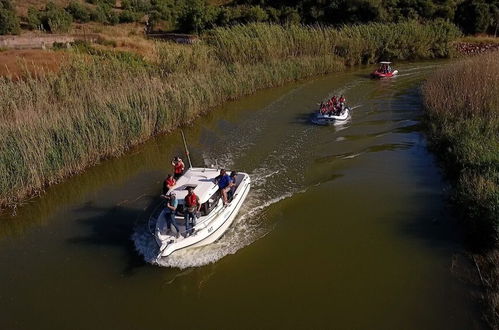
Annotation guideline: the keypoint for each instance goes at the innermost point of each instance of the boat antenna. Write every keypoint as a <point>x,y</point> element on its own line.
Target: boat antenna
<point>186,150</point>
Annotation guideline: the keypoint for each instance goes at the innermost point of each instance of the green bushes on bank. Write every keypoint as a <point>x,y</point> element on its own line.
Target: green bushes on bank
<point>9,22</point>
<point>462,101</point>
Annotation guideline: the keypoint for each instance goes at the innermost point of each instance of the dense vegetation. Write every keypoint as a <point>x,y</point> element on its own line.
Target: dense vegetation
<point>463,106</point>
<point>55,125</point>
<point>462,101</point>
<point>473,16</point>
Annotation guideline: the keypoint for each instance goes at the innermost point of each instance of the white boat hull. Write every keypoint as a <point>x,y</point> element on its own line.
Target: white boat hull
<point>332,119</point>
<point>208,228</point>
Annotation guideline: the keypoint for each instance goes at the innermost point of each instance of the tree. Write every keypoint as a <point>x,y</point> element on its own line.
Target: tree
<point>254,14</point>
<point>78,11</point>
<point>9,22</point>
<point>196,16</point>
<point>473,16</point>
<point>33,18</point>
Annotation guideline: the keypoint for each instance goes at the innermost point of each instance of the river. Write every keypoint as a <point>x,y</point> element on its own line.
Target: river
<point>346,227</point>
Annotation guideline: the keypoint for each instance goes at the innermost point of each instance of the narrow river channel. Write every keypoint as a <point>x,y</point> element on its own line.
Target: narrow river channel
<point>345,227</point>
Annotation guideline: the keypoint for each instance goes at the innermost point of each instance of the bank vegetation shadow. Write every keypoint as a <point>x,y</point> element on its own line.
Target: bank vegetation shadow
<point>433,223</point>
<point>114,227</point>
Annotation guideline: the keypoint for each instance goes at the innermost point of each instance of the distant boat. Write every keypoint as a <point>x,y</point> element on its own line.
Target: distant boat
<point>384,71</point>
<point>215,218</point>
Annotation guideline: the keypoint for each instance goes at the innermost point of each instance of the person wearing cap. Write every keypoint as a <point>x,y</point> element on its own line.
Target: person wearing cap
<point>192,206</point>
<point>170,209</point>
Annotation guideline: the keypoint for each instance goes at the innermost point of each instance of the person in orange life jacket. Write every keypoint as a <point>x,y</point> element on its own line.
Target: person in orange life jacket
<point>342,99</point>
<point>334,100</point>
<point>168,184</point>
<point>178,167</point>
<point>223,181</point>
<point>192,207</point>
<point>170,209</point>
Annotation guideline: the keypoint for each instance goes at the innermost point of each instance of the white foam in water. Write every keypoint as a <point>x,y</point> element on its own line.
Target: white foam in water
<point>352,156</point>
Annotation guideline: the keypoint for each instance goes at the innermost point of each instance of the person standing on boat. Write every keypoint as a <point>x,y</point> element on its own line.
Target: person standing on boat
<point>178,167</point>
<point>223,181</point>
<point>168,183</point>
<point>170,209</point>
<point>192,207</point>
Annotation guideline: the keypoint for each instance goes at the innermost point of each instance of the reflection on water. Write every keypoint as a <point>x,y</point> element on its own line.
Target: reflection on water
<point>345,227</point>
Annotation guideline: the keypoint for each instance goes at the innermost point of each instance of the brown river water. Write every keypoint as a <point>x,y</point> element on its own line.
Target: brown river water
<point>346,227</point>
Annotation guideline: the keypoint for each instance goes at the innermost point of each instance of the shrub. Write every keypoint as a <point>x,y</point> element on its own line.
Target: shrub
<point>78,11</point>
<point>9,22</point>
<point>55,19</point>
<point>33,18</point>
<point>473,16</point>
<point>98,14</point>
<point>254,14</point>
<point>112,17</point>
<point>128,16</point>
<point>197,16</point>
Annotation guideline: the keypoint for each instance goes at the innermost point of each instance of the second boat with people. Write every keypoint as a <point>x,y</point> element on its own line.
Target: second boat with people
<point>333,111</point>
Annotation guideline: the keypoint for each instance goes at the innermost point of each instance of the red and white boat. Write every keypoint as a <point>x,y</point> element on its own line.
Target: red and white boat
<point>384,71</point>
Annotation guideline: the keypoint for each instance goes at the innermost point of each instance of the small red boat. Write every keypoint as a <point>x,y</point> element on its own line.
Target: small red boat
<point>384,71</point>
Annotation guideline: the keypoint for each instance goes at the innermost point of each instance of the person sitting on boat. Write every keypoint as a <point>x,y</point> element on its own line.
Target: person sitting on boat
<point>170,209</point>
<point>178,167</point>
<point>192,207</point>
<point>322,108</point>
<point>168,183</point>
<point>223,182</point>
<point>342,100</point>
<point>334,100</point>
<point>232,185</point>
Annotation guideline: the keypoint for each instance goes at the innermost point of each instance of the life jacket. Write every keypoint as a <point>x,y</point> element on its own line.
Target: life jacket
<point>191,200</point>
<point>170,182</point>
<point>342,100</point>
<point>178,168</point>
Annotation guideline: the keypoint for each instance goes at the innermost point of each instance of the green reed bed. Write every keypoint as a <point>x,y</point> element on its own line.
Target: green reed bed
<point>103,103</point>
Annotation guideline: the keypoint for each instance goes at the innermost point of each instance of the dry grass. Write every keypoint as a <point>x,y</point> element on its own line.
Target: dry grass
<point>18,63</point>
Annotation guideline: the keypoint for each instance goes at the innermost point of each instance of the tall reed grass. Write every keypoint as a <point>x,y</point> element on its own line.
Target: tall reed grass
<point>102,103</point>
<point>463,107</point>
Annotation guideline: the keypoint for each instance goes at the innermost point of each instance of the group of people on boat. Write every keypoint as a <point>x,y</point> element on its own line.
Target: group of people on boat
<point>333,107</point>
<point>385,68</point>
<point>192,207</point>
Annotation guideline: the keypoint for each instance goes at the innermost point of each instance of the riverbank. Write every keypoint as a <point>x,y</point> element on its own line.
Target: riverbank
<point>104,102</point>
<point>463,113</point>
